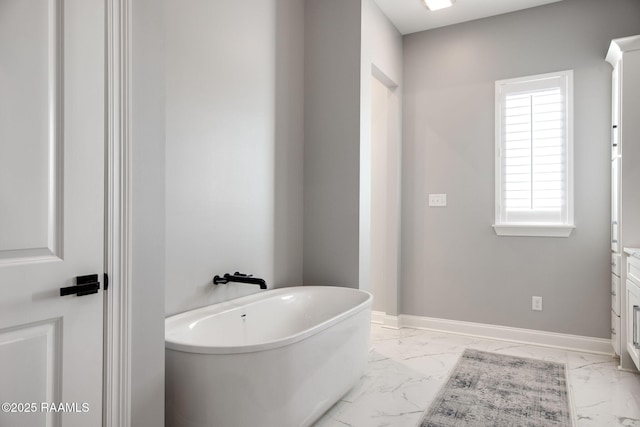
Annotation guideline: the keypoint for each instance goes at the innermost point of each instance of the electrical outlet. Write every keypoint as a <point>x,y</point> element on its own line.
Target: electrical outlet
<point>536,303</point>
<point>438,200</point>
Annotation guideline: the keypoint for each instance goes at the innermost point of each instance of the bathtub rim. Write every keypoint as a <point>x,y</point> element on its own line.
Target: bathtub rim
<point>245,301</point>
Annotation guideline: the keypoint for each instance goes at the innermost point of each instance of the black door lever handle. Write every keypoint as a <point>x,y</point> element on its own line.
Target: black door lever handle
<point>85,285</point>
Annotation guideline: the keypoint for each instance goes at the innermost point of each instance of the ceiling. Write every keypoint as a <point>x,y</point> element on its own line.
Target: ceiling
<point>410,16</point>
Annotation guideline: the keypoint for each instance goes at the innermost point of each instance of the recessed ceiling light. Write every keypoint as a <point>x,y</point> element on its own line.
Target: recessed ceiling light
<point>438,4</point>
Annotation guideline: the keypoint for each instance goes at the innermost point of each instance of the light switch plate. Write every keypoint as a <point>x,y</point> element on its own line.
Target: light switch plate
<point>438,200</point>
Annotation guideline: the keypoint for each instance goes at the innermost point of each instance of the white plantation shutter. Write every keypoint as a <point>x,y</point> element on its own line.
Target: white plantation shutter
<point>534,150</point>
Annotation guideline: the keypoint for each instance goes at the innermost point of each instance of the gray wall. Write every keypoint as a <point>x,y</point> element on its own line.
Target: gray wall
<point>227,96</point>
<point>148,218</point>
<point>332,142</point>
<point>289,143</point>
<point>234,112</point>
<point>453,264</point>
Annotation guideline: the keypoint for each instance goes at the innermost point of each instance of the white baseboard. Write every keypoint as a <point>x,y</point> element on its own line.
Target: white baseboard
<point>377,317</point>
<point>501,333</point>
<point>382,318</point>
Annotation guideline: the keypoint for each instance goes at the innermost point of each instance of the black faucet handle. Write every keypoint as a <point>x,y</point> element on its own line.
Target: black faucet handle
<point>217,280</point>
<point>237,273</point>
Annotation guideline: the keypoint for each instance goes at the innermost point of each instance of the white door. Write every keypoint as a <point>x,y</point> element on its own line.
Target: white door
<point>51,211</point>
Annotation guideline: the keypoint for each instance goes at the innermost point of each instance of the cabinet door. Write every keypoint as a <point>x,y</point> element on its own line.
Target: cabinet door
<point>615,334</point>
<point>615,294</point>
<point>633,322</point>
<point>615,204</point>
<point>615,112</point>
<point>633,270</point>
<point>615,264</point>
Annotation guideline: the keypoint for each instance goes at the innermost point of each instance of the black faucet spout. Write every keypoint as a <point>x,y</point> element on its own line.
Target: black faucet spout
<point>241,278</point>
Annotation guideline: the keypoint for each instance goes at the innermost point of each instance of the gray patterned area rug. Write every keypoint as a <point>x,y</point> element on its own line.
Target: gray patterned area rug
<point>490,390</point>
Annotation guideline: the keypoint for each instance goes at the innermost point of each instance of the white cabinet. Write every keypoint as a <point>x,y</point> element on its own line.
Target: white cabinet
<point>624,57</point>
<point>615,264</point>
<point>615,294</point>
<point>633,308</point>
<point>615,302</point>
<point>615,312</point>
<point>615,332</point>
<point>615,204</point>
<point>633,265</point>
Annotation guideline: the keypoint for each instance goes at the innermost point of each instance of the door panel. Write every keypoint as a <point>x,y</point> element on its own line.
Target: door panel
<point>51,210</point>
<point>30,129</point>
<point>33,352</point>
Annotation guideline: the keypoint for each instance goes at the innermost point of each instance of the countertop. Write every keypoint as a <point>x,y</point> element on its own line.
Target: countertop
<point>634,252</point>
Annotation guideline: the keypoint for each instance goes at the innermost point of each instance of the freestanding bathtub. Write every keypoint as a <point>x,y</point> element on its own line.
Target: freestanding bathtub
<point>277,358</point>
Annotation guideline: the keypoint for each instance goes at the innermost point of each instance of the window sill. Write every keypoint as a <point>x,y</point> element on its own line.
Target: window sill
<point>533,230</point>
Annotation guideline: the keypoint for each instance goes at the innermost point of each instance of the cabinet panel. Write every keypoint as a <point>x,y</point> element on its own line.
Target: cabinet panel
<point>615,264</point>
<point>633,322</point>
<point>615,204</point>
<point>633,270</point>
<point>615,112</point>
<point>615,334</point>
<point>615,294</point>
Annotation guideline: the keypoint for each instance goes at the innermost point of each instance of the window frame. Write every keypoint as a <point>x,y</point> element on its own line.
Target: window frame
<point>537,229</point>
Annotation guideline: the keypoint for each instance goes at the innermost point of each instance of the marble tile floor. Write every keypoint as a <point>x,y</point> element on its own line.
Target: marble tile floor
<point>407,367</point>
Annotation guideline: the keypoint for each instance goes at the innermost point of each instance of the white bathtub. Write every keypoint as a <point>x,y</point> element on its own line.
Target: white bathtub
<point>278,358</point>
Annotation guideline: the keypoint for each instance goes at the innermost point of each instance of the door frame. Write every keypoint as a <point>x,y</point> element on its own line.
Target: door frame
<point>117,310</point>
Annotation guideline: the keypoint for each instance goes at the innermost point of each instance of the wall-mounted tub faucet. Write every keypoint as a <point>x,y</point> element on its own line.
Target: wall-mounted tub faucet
<point>239,277</point>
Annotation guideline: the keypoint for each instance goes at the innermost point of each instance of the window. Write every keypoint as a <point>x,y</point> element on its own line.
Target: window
<point>534,155</point>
